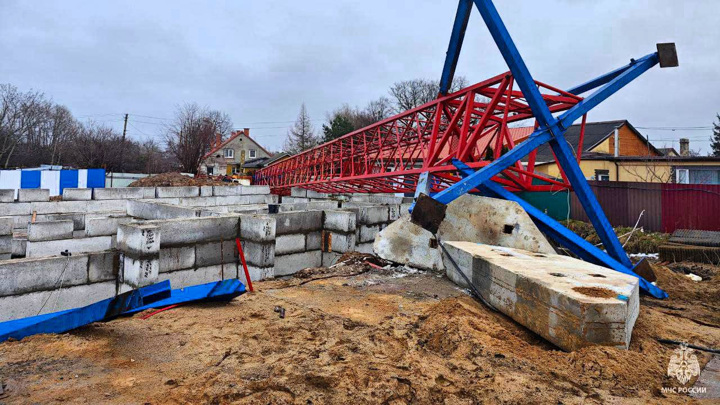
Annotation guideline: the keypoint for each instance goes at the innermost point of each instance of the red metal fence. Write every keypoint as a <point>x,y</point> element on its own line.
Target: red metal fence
<point>667,206</point>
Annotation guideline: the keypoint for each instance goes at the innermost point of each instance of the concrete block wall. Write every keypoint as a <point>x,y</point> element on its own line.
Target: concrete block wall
<point>298,236</point>
<point>6,237</point>
<point>58,283</point>
<point>192,238</point>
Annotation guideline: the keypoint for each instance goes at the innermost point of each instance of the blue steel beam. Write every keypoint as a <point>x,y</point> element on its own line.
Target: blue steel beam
<point>520,150</point>
<point>555,230</point>
<point>640,66</point>
<point>515,62</point>
<point>566,160</point>
<point>600,80</point>
<point>456,40</point>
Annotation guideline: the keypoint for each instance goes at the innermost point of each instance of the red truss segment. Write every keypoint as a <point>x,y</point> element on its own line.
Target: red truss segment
<point>470,125</point>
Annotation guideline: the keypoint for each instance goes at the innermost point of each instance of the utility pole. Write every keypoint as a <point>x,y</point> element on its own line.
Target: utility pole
<point>122,145</point>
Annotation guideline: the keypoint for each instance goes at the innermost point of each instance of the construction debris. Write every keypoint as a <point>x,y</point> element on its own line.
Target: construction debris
<point>408,243</point>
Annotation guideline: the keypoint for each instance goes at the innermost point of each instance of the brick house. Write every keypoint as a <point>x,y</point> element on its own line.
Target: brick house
<point>227,157</point>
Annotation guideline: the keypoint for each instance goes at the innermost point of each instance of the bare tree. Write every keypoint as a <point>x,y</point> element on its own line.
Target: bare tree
<point>409,94</point>
<point>96,145</point>
<point>192,132</point>
<point>302,134</point>
<point>21,114</point>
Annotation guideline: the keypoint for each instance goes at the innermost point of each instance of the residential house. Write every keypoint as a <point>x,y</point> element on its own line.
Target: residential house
<point>617,151</point>
<point>228,157</point>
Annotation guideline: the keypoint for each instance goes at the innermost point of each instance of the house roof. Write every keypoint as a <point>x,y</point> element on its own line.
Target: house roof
<point>233,136</point>
<point>668,151</point>
<point>602,156</point>
<point>595,133</point>
<point>278,156</point>
<point>264,161</point>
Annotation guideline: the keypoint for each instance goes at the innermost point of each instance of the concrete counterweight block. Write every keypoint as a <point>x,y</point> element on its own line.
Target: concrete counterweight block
<point>569,302</point>
<point>140,247</point>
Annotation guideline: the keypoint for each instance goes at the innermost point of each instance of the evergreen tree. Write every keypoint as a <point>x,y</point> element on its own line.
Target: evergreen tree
<point>339,125</point>
<point>302,134</point>
<point>715,139</point>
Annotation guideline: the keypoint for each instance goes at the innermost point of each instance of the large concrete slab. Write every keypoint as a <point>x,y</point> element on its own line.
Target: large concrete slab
<point>407,243</point>
<point>567,301</point>
<point>493,222</point>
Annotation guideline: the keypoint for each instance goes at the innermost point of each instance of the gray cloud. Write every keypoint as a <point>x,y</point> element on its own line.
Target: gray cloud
<point>259,60</point>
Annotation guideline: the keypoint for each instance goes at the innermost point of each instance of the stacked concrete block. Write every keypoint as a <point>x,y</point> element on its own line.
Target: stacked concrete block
<point>385,199</point>
<point>7,195</point>
<point>257,233</point>
<point>49,230</point>
<point>77,245</point>
<point>23,210</point>
<point>77,194</point>
<point>206,191</point>
<point>298,241</point>
<point>43,302</point>
<point>258,189</point>
<point>153,210</point>
<point>77,218</point>
<point>147,192</point>
<point>177,192</point>
<point>199,250</point>
<point>58,283</point>
<point>306,206</point>
<point>6,237</point>
<point>33,194</point>
<point>338,235</point>
<point>124,193</point>
<point>106,225</point>
<point>569,302</point>
<point>103,266</point>
<point>139,245</point>
<point>225,191</point>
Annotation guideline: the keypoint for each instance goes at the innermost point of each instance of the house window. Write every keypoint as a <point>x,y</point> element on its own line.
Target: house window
<point>252,153</point>
<point>209,170</point>
<point>682,176</point>
<point>602,175</point>
<point>229,153</point>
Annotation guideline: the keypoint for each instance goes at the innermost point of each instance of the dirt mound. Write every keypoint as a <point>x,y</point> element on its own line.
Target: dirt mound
<point>176,180</point>
<point>355,334</point>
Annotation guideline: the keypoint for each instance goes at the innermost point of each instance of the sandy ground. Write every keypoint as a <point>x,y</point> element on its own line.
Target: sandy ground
<point>355,334</point>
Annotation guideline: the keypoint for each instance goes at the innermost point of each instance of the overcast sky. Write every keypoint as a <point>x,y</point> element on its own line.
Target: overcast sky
<point>259,60</point>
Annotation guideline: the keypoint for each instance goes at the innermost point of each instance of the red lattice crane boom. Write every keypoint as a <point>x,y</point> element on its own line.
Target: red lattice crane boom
<point>470,125</point>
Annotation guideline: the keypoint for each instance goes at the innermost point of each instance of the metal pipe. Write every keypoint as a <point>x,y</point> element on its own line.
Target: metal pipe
<point>617,142</point>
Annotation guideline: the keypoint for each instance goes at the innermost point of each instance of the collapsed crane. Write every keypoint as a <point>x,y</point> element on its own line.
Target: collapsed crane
<point>436,149</point>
